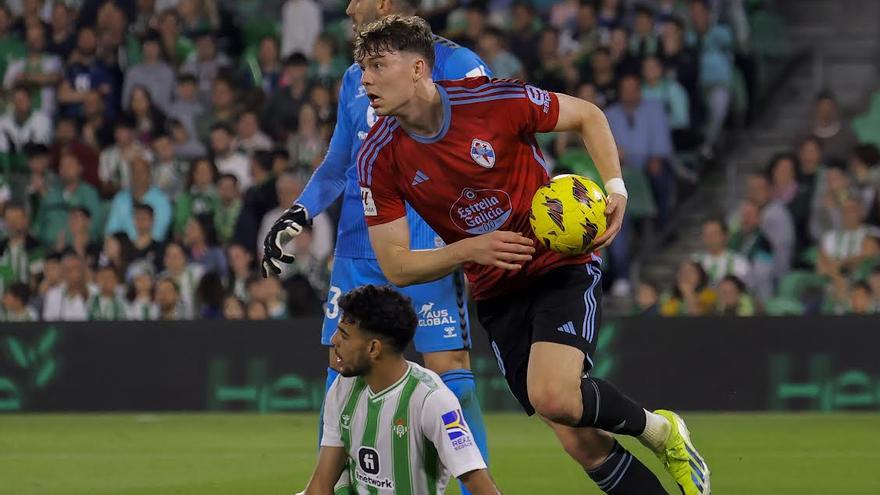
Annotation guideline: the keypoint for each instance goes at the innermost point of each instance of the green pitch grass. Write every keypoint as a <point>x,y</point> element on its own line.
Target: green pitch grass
<point>248,454</point>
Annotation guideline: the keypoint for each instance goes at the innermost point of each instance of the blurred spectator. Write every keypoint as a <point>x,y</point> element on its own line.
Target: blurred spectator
<point>228,207</point>
<point>175,48</point>
<point>209,297</point>
<point>106,304</point>
<point>121,218</point>
<point>288,188</point>
<point>140,296</point>
<point>874,284</point>
<point>168,170</point>
<point>167,300</point>
<point>308,265</point>
<point>320,99</point>
<point>280,115</point>
<point>714,42</point>
<point>555,72</point>
<point>618,47</point>
<point>647,302</point>
<point>97,126</point>
<point>563,14</point>
<point>51,276</point>
<point>644,41</point>
<point>811,166</point>
<point>85,74</point>
<point>186,277</point>
<point>835,188</point>
<point>641,130</point>
<point>841,249</point>
<point>240,270</point>
<point>681,61</point>
<point>864,167</point>
<point>467,23</point>
<point>233,308</point>
<point>149,121</point>
<point>657,86</point>
<point>861,300</point>
<point>67,139</point>
<point>301,22</point>
<point>269,292</point>
<point>22,124</point>
<point>77,236</point>
<point>718,261</point>
<point>38,71</point>
<point>491,49</point>
<point>186,105</point>
<point>206,62</point>
<point>15,304</point>
<point>603,76</point>
<point>691,295</point>
<point>144,17</point>
<point>68,301</point>
<point>197,16</point>
<point>786,189</point>
<point>611,13</point>
<point>733,298</point>
<point>223,109</point>
<point>10,43</point>
<point>249,138</point>
<point>21,256</point>
<point>777,225</point>
<point>153,74</point>
<point>117,252</point>
<point>256,310</point>
<point>51,216</point>
<point>264,73</point>
<point>146,247</point>
<point>583,36</point>
<point>200,239</point>
<point>523,34</point>
<point>326,66</point>
<point>114,169</point>
<point>307,146</point>
<point>226,158</point>
<point>834,133</point>
<point>186,144</point>
<point>200,196</point>
<point>40,178</point>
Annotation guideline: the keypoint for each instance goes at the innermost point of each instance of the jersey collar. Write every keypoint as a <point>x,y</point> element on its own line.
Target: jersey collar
<point>447,118</point>
<point>383,393</point>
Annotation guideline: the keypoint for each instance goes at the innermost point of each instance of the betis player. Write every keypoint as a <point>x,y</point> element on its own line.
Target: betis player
<point>443,335</point>
<point>471,143</point>
<point>392,423</point>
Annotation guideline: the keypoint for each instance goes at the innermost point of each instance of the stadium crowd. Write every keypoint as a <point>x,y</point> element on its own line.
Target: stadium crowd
<point>147,145</point>
<point>805,239</point>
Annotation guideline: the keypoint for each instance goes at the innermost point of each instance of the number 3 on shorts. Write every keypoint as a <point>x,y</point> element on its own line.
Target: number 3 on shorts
<point>331,309</point>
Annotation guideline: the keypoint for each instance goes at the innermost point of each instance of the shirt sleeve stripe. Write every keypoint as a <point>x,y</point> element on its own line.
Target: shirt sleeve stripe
<point>487,98</point>
<point>367,148</point>
<point>372,158</point>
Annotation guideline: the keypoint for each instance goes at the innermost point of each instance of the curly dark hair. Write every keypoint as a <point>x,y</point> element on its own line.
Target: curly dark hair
<point>383,311</point>
<point>395,33</point>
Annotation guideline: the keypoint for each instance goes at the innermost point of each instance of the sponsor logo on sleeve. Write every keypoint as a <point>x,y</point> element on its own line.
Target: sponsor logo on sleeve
<point>539,97</point>
<point>429,317</point>
<point>480,211</point>
<point>457,430</point>
<point>367,200</point>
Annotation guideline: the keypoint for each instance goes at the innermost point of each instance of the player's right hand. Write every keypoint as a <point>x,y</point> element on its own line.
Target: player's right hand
<point>502,248</point>
<point>289,225</point>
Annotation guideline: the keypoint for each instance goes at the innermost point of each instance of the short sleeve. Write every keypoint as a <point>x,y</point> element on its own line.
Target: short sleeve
<point>332,437</point>
<point>380,197</point>
<point>444,426</point>
<point>537,112</point>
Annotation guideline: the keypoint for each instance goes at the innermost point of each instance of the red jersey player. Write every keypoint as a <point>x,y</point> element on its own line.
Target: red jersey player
<point>463,154</point>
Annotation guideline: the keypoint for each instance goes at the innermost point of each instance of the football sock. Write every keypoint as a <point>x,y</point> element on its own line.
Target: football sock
<point>331,377</point>
<point>462,384</point>
<point>656,432</point>
<point>608,409</point>
<point>623,474</point>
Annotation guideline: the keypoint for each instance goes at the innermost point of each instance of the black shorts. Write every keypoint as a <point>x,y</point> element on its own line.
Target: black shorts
<point>562,306</point>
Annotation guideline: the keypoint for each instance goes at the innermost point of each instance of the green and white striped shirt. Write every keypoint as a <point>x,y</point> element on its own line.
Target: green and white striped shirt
<point>406,440</point>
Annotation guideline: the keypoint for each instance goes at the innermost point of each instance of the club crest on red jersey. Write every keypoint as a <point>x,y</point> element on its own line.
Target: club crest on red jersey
<point>483,153</point>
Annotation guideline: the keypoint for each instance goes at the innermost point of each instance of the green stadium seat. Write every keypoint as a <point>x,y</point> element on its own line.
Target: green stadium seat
<point>783,306</point>
<point>794,284</point>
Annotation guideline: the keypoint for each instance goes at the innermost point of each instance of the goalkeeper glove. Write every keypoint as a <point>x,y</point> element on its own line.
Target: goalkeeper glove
<point>289,225</point>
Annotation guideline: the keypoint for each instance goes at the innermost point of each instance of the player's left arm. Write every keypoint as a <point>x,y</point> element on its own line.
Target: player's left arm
<point>576,115</point>
<point>331,462</point>
<point>479,482</point>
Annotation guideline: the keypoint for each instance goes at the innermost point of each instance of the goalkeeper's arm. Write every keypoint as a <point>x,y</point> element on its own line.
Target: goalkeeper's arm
<point>331,462</point>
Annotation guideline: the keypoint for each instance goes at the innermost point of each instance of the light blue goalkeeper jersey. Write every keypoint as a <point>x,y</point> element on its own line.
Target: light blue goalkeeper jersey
<point>338,174</point>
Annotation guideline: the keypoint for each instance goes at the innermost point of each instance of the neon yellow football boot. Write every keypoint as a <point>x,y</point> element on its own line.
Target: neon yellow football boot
<point>681,459</point>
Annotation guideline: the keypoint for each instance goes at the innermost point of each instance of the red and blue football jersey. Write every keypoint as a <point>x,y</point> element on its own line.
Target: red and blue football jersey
<point>476,175</point>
